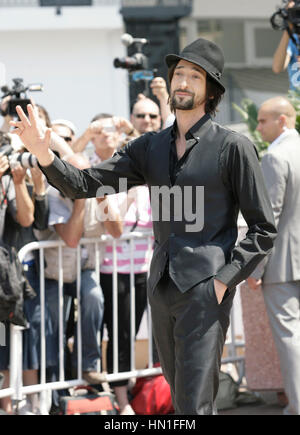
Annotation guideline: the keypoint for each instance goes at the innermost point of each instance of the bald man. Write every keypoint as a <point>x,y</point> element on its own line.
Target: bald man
<point>279,275</point>
<point>145,116</point>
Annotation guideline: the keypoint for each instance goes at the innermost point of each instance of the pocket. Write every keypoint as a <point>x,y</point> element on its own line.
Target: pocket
<point>211,289</point>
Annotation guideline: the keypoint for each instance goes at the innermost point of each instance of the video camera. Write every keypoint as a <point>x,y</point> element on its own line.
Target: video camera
<point>18,93</point>
<point>284,16</point>
<point>25,159</point>
<point>137,64</point>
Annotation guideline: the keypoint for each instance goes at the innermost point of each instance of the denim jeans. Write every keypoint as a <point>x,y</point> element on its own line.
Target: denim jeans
<point>31,336</point>
<point>92,309</point>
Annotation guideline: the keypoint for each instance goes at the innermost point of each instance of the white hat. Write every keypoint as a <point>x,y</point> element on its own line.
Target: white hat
<point>66,123</point>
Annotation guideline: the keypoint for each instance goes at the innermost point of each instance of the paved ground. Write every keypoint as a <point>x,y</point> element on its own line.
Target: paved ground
<point>268,406</point>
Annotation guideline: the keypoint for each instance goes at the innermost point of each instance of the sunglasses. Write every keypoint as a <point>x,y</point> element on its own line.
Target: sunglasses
<point>67,138</point>
<point>143,115</point>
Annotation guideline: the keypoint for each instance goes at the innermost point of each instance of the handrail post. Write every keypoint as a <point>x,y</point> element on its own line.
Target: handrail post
<point>16,363</point>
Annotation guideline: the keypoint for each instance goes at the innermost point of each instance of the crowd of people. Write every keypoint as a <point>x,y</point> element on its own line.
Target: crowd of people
<point>32,210</point>
<point>193,275</point>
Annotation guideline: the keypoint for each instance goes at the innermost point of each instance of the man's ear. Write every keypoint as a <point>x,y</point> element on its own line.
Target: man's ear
<point>282,120</point>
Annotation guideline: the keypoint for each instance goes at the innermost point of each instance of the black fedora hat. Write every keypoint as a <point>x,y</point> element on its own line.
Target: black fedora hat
<point>205,54</point>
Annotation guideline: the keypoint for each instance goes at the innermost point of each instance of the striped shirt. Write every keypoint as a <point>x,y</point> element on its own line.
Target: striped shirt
<point>138,219</point>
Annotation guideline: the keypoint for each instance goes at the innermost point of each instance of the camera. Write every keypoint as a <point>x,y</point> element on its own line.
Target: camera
<point>25,159</point>
<point>18,93</point>
<point>284,16</point>
<point>137,64</point>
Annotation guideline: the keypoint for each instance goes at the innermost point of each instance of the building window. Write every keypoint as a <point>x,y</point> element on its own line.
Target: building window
<point>210,29</point>
<point>262,43</point>
<point>228,34</point>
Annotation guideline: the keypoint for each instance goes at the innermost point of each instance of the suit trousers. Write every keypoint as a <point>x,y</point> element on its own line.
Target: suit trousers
<point>283,307</point>
<point>189,331</point>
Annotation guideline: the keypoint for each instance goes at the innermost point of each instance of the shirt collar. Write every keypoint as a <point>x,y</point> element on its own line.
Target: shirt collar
<point>287,132</point>
<point>194,131</point>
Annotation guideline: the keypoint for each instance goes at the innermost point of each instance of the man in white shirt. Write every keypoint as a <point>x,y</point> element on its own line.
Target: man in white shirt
<point>279,274</point>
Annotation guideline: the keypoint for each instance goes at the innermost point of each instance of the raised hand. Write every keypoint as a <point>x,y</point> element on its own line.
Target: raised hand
<point>159,88</point>
<point>123,125</point>
<point>18,174</point>
<point>34,136</point>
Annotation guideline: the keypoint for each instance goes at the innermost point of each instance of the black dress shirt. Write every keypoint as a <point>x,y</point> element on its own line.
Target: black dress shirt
<point>238,167</point>
<point>176,165</point>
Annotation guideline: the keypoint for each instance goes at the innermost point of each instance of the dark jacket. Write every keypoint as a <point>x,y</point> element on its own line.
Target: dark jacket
<point>226,166</point>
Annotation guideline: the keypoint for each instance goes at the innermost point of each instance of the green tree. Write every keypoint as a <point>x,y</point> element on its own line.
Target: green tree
<point>248,112</point>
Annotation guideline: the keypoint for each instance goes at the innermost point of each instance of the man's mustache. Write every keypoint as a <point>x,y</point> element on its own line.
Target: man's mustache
<point>192,94</point>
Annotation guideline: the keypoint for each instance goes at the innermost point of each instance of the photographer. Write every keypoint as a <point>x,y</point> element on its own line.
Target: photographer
<point>58,144</point>
<point>23,208</point>
<point>6,117</point>
<point>5,127</point>
<point>287,55</point>
<point>70,221</point>
<point>146,115</point>
<point>97,134</point>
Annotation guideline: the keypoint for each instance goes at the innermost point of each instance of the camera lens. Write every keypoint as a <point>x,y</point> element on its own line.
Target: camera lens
<point>28,160</point>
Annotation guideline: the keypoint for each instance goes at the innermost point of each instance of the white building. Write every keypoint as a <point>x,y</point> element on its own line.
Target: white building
<point>71,54</point>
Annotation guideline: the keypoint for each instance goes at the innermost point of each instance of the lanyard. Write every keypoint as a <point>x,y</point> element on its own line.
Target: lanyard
<point>4,193</point>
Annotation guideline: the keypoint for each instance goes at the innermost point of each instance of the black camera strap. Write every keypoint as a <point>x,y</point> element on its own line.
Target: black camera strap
<point>4,193</point>
<point>295,41</point>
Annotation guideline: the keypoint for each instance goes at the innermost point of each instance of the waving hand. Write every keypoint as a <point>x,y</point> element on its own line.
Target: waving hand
<point>35,137</point>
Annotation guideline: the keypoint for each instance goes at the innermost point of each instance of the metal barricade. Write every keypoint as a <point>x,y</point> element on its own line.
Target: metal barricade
<point>16,389</point>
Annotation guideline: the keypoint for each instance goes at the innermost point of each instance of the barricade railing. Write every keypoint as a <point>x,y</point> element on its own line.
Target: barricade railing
<point>17,390</point>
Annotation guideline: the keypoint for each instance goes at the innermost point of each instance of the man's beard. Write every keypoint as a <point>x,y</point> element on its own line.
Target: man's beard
<point>183,103</point>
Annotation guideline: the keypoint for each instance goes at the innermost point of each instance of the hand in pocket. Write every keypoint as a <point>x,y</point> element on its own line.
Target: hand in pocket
<point>220,289</point>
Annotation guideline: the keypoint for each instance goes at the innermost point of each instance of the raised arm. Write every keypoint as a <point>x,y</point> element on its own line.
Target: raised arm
<point>123,171</point>
<point>24,204</point>
<point>159,89</point>
<point>281,58</point>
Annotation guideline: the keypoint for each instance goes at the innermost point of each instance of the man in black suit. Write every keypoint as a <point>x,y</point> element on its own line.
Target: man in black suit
<point>199,175</point>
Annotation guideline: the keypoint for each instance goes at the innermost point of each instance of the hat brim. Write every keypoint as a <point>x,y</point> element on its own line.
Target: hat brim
<point>171,59</point>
